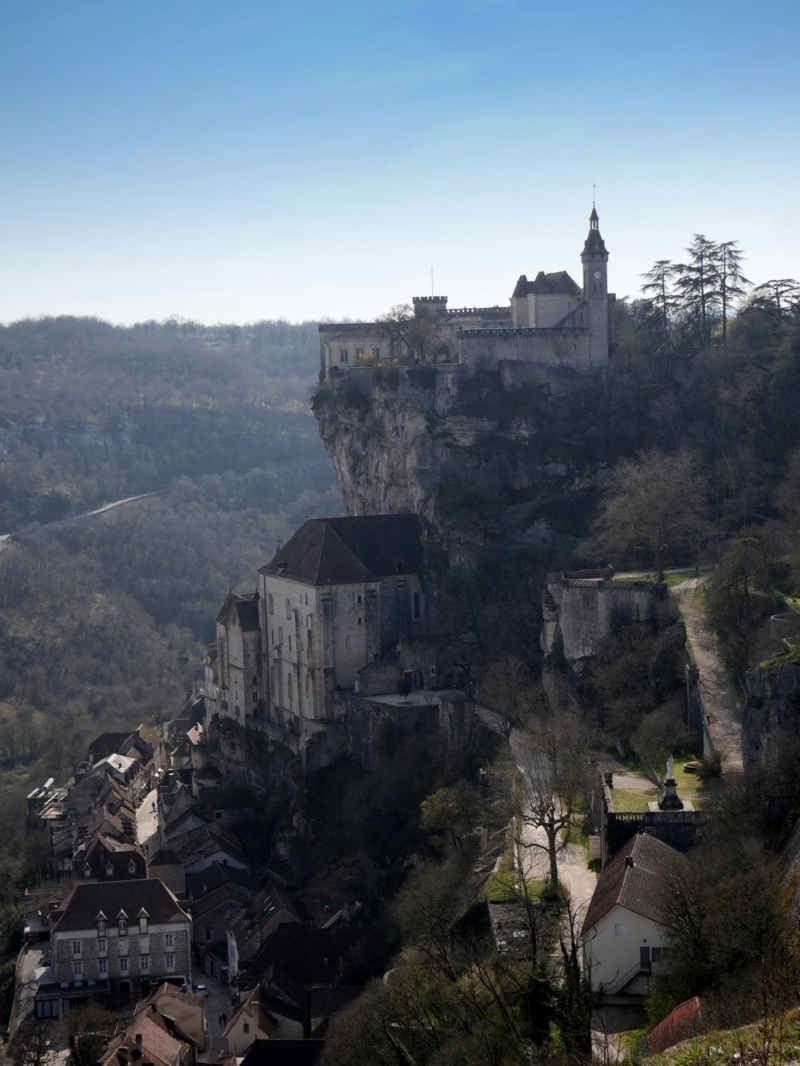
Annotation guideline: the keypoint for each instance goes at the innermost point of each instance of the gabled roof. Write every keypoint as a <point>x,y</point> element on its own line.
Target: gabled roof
<point>329,551</point>
<point>216,875</point>
<point>558,283</point>
<point>633,879</point>
<point>80,908</point>
<point>243,608</point>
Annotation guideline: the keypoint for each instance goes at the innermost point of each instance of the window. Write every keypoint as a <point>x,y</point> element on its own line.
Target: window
<point>77,969</point>
<point>102,966</point>
<point>123,964</point>
<point>271,604</point>
<point>309,642</point>
<point>359,619</point>
<point>168,943</point>
<point>290,643</point>
<point>76,947</point>
<point>208,934</point>
<point>655,954</point>
<point>246,1027</point>
<point>289,687</point>
<point>131,867</point>
<point>342,355</point>
<point>255,679</point>
<point>143,923</point>
<point>358,599</point>
<point>619,929</point>
<point>122,925</point>
<point>144,964</point>
<point>109,870</point>
<point>169,961</point>
<point>255,697</point>
<point>280,634</point>
<point>102,946</point>
<point>288,609</point>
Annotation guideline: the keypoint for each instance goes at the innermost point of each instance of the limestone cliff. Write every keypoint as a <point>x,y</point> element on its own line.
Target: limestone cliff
<point>478,451</point>
<point>772,712</point>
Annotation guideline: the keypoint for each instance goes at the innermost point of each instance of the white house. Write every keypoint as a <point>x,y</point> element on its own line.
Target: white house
<point>624,939</point>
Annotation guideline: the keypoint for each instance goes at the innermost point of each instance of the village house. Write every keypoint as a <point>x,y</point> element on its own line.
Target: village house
<point>117,935</point>
<point>625,942</point>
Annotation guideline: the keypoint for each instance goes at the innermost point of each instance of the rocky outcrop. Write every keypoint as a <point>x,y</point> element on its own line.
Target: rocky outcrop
<point>772,711</point>
<point>428,440</point>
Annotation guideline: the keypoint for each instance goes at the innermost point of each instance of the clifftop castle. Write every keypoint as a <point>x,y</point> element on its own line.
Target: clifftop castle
<point>550,321</point>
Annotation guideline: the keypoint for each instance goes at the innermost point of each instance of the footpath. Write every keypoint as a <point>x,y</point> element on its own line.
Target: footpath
<point>723,704</point>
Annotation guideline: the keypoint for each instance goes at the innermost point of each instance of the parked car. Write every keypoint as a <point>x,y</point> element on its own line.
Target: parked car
<point>201,990</point>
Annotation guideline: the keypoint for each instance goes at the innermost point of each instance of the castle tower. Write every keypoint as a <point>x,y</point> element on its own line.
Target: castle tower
<point>595,291</point>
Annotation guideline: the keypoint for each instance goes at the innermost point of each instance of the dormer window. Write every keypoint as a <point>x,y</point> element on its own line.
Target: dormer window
<point>87,872</point>
<point>109,870</point>
<point>131,867</point>
<point>122,923</point>
<point>143,916</point>
<point>100,922</point>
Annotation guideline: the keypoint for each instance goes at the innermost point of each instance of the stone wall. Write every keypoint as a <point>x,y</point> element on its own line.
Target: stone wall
<point>578,611</point>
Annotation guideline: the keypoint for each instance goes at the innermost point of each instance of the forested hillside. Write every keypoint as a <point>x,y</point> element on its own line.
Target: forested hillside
<point>104,620</point>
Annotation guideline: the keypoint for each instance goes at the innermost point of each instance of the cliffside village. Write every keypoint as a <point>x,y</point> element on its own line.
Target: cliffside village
<point>155,891</point>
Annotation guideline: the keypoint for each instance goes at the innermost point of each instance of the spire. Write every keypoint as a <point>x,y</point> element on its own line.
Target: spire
<point>594,246</point>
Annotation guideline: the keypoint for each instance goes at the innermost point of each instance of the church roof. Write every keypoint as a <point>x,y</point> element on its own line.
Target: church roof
<point>595,245</point>
<point>557,283</point>
<point>331,551</point>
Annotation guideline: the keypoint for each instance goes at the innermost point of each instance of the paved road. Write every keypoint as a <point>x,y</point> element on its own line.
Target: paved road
<point>722,702</point>
<point>6,538</point>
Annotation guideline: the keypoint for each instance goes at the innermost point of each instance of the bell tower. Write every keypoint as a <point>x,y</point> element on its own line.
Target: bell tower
<point>595,261</point>
<point>595,292</point>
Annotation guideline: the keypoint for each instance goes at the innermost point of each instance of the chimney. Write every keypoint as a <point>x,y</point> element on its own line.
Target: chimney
<point>629,860</point>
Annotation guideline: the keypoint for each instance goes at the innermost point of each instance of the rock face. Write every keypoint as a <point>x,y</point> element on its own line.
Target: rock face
<point>400,439</point>
<point>772,710</point>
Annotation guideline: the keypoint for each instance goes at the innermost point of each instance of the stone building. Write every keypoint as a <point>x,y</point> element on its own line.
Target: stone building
<point>117,934</point>
<point>550,320</point>
<point>340,608</point>
<point>342,594</point>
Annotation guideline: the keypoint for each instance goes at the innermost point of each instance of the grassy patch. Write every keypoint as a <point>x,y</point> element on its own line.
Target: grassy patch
<point>633,799</point>
<point>768,1043</point>
<point>503,885</point>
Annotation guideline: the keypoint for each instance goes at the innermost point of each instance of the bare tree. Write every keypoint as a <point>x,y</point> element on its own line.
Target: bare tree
<point>552,784</point>
<point>654,503</point>
<point>506,692</point>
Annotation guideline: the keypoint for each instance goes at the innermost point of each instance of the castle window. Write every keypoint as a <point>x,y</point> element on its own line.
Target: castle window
<point>289,687</point>
<point>288,609</point>
<point>358,599</point>
<point>255,679</point>
<point>290,643</point>
<point>417,606</point>
<point>271,604</point>
<point>255,697</point>
<point>359,619</point>
<point>280,634</point>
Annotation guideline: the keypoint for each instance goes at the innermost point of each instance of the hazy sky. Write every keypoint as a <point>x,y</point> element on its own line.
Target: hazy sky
<point>232,160</point>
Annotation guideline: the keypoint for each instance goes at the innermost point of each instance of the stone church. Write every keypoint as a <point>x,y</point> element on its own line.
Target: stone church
<point>340,608</point>
<point>550,321</point>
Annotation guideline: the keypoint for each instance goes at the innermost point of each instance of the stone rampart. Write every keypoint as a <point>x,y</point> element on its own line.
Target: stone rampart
<point>578,612</point>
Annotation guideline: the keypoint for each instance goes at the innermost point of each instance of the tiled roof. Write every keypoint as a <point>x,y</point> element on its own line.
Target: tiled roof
<point>682,1023</point>
<point>347,550</point>
<point>216,875</point>
<point>636,886</point>
<point>80,908</point>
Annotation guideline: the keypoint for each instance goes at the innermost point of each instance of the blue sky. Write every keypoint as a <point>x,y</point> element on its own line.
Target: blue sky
<point>232,160</point>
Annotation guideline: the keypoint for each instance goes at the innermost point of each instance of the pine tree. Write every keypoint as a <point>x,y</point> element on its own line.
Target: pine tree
<point>730,280</point>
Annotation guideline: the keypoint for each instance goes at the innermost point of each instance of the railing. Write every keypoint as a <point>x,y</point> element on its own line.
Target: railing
<point>620,983</point>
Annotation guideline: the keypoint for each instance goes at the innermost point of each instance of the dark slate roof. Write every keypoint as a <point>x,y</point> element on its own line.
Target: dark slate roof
<point>244,607</point>
<point>80,908</point>
<point>284,1053</point>
<point>106,744</point>
<point>105,851</point>
<point>301,952</point>
<point>595,244</point>
<point>558,283</point>
<point>330,551</point>
<point>214,876</point>
<point>636,887</point>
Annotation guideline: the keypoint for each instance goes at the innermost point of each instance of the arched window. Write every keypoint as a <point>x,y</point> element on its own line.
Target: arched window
<point>271,604</point>
<point>288,609</point>
<point>255,679</point>
<point>280,634</point>
<point>289,687</point>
